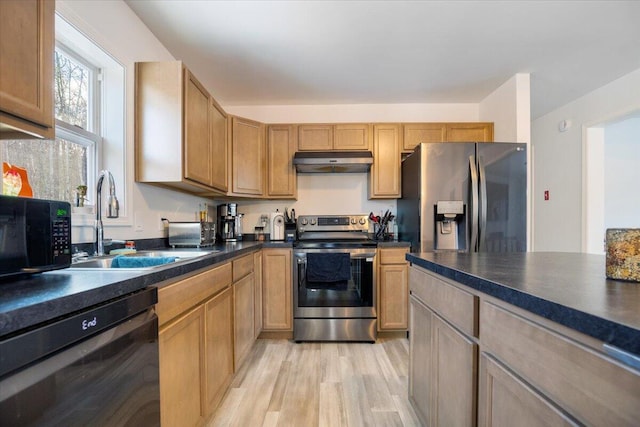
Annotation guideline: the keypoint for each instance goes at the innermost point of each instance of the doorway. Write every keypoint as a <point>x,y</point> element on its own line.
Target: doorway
<point>611,172</point>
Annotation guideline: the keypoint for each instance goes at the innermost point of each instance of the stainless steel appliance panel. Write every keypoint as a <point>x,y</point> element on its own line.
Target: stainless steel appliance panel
<point>503,197</point>
<point>334,330</point>
<point>489,178</point>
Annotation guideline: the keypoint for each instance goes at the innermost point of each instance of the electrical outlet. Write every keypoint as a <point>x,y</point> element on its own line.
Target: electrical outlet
<point>138,224</point>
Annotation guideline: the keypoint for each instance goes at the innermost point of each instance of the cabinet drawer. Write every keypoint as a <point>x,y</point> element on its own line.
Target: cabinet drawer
<point>180,296</point>
<point>393,256</point>
<point>242,266</point>
<point>454,304</point>
<point>591,387</point>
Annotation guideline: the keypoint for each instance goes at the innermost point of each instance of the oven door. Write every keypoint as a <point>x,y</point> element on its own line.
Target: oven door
<point>352,298</point>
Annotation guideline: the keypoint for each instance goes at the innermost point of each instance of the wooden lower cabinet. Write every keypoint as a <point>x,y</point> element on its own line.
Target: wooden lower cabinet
<point>276,290</point>
<point>182,370</point>
<point>257,301</point>
<point>243,309</point>
<point>218,347</point>
<point>443,370</point>
<point>505,398</point>
<point>393,289</point>
<point>420,354</point>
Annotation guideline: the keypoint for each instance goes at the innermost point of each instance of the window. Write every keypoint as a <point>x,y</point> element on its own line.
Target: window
<point>89,94</point>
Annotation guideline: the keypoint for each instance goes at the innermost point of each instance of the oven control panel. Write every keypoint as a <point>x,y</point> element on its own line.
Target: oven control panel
<point>328,223</point>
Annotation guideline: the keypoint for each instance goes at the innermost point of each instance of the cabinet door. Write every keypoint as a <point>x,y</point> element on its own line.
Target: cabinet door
<point>352,136</point>
<point>385,171</point>
<point>315,137</point>
<point>243,309</point>
<point>469,132</point>
<point>393,297</point>
<point>182,371</point>
<point>218,347</point>
<point>247,157</point>
<point>276,291</point>
<point>197,158</point>
<point>219,148</point>
<point>415,133</point>
<point>281,174</point>
<point>420,354</point>
<point>257,301</point>
<point>503,398</point>
<point>453,380</point>
<point>26,61</point>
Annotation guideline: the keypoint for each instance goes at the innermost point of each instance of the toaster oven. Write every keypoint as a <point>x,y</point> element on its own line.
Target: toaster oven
<point>192,234</point>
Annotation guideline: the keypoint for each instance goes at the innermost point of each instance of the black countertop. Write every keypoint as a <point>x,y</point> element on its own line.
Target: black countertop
<point>568,288</point>
<point>26,302</point>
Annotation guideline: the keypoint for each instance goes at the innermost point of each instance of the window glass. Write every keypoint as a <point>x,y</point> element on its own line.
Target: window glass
<point>71,85</point>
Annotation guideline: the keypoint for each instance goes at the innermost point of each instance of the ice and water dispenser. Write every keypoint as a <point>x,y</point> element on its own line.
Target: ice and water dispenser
<point>450,222</point>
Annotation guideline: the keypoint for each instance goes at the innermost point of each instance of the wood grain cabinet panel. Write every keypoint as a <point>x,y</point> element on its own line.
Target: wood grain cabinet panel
<point>503,398</point>
<point>393,290</point>
<point>384,178</point>
<point>26,64</point>
<point>248,158</point>
<point>281,174</point>
<point>469,132</point>
<point>276,290</point>
<point>197,148</point>
<point>588,385</point>
<point>352,137</point>
<point>182,370</point>
<point>416,133</point>
<point>420,359</point>
<point>218,336</point>
<point>244,332</point>
<point>315,137</point>
<point>257,271</point>
<point>219,148</point>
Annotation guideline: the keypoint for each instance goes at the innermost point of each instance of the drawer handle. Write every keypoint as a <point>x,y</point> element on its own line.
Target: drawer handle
<point>622,356</point>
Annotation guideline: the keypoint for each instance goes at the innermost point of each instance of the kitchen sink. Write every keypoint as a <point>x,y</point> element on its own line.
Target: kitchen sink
<point>159,258</point>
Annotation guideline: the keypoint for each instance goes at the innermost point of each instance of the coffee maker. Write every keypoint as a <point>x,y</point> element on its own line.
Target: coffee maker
<point>229,222</point>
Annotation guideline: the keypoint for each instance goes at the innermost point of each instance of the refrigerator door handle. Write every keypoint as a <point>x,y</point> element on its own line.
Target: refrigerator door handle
<point>473,172</point>
<point>482,231</point>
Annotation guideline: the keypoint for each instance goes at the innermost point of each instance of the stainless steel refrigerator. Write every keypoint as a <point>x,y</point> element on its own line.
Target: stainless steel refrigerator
<point>468,197</point>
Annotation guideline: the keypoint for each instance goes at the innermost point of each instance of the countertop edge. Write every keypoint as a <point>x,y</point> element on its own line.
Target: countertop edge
<point>605,330</point>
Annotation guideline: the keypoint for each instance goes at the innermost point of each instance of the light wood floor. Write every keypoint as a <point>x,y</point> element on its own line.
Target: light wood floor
<point>320,384</point>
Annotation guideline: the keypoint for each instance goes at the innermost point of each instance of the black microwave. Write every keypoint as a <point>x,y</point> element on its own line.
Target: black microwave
<point>35,235</point>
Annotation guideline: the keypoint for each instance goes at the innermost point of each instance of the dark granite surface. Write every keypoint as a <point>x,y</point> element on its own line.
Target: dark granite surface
<point>568,288</point>
<point>393,244</point>
<point>26,302</point>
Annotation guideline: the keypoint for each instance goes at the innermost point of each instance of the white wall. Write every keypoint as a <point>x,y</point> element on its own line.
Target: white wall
<point>509,108</point>
<point>558,161</point>
<point>622,174</point>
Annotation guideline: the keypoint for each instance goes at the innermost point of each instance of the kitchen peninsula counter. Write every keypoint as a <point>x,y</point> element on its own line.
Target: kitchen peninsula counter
<point>567,288</point>
<point>29,301</point>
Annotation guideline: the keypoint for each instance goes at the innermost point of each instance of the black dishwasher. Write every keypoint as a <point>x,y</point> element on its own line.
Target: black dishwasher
<point>97,367</point>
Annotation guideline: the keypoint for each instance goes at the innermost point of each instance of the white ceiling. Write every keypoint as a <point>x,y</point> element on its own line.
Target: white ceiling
<point>364,52</point>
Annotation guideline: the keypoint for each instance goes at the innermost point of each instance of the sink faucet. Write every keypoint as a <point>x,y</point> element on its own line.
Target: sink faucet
<point>112,209</point>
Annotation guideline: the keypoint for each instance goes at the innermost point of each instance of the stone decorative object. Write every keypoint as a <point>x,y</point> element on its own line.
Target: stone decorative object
<point>623,254</point>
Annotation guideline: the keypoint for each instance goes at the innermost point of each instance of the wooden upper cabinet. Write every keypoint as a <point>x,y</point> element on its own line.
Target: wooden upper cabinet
<point>352,136</point>
<point>416,133</point>
<point>315,137</point>
<point>323,137</point>
<point>219,148</point>
<point>384,179</point>
<point>469,132</point>
<point>197,162</point>
<point>247,164</point>
<point>281,174</point>
<point>26,68</point>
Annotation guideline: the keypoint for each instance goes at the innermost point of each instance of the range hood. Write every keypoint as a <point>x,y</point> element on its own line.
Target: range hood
<point>332,161</point>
